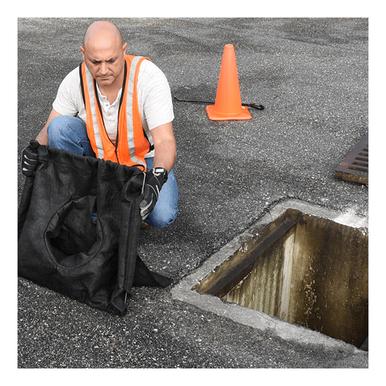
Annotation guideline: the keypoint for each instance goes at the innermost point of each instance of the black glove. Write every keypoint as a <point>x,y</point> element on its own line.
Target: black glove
<point>30,159</point>
<point>154,180</point>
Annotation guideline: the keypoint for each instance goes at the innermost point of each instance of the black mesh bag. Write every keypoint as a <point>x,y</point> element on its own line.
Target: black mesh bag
<point>79,223</point>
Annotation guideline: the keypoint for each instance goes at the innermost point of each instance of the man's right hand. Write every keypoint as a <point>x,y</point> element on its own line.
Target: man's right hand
<point>30,159</point>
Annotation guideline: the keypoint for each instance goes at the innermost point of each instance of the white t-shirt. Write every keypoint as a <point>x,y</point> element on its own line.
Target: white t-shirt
<point>154,100</point>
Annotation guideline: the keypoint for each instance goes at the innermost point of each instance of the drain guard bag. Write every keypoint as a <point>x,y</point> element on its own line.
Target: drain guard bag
<point>64,246</point>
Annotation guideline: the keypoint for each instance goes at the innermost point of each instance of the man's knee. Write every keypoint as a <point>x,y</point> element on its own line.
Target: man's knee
<point>56,130</point>
<point>60,128</point>
<point>162,217</point>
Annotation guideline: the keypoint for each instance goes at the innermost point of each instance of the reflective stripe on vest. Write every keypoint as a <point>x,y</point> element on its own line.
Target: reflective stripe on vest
<point>132,143</point>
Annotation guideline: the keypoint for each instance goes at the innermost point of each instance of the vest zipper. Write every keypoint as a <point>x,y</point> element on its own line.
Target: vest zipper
<point>101,112</point>
<point>119,111</point>
<point>116,143</point>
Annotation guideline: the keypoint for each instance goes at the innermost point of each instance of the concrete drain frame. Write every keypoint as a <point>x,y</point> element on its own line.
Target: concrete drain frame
<point>223,283</point>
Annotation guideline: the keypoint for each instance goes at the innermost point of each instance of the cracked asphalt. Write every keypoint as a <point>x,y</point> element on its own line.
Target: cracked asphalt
<point>312,77</point>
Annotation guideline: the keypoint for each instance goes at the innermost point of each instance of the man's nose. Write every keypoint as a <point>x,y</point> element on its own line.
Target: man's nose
<point>103,68</point>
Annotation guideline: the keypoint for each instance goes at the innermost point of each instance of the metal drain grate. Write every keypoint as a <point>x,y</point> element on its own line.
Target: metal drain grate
<point>354,167</point>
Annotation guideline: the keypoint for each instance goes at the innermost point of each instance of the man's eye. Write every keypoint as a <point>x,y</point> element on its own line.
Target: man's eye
<point>111,61</point>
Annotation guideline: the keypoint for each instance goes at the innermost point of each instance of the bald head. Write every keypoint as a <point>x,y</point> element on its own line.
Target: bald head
<point>102,34</point>
<point>104,53</point>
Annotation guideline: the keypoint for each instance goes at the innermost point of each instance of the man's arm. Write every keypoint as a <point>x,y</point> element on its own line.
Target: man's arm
<point>165,157</point>
<point>164,146</point>
<point>42,137</point>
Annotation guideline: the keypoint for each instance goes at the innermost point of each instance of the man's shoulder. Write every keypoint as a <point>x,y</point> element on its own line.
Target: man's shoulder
<point>147,66</point>
<point>150,76</point>
<point>69,96</point>
<point>72,78</point>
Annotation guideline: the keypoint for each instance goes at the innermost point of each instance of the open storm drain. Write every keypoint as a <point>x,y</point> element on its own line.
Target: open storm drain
<point>301,265</point>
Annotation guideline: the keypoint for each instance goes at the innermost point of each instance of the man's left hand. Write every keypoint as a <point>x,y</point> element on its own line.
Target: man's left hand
<point>155,178</point>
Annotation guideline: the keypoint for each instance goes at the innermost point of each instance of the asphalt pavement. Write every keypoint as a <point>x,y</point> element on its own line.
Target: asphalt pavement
<point>312,77</point>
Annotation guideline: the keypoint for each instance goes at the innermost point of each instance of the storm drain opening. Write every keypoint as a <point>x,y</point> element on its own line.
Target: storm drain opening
<point>303,269</point>
<point>355,165</point>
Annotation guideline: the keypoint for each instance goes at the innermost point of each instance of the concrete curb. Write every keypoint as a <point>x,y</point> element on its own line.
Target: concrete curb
<point>263,322</point>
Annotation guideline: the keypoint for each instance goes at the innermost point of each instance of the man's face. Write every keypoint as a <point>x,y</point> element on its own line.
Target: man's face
<point>105,61</point>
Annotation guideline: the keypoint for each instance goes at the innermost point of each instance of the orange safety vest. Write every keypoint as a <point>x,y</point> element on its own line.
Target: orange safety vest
<point>132,141</point>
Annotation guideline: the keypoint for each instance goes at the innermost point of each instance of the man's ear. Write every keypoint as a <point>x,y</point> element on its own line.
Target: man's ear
<point>124,47</point>
<point>82,51</point>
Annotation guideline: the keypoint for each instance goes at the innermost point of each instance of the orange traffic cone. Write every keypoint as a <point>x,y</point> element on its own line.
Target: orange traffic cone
<point>227,105</point>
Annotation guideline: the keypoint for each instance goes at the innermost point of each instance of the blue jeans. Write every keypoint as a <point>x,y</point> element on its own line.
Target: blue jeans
<point>69,134</point>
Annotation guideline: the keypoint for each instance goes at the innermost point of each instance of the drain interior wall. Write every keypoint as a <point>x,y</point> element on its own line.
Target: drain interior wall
<point>315,276</point>
<point>262,288</point>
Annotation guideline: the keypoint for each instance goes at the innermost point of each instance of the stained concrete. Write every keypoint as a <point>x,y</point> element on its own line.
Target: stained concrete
<point>296,264</point>
<point>311,75</point>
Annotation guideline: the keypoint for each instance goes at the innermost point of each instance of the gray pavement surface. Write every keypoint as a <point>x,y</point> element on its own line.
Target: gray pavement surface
<point>311,75</point>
